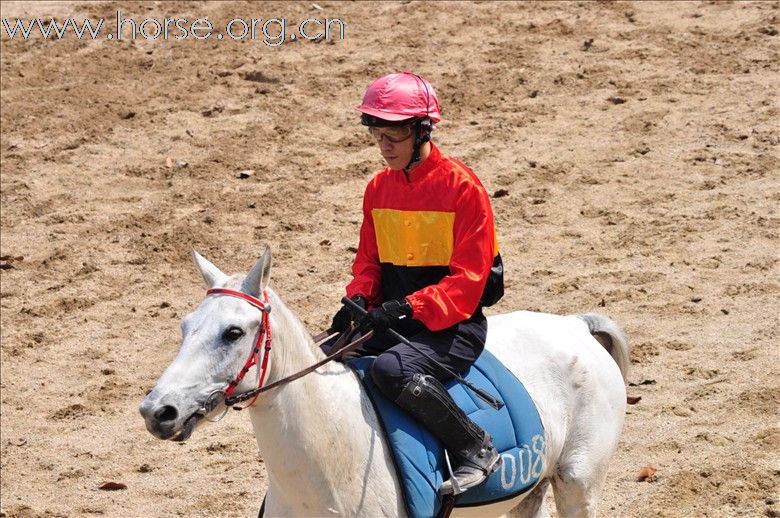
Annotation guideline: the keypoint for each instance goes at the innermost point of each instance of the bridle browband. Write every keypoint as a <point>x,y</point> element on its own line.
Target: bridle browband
<point>340,348</point>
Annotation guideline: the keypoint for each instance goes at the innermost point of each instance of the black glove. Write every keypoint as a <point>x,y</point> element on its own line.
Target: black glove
<point>344,317</point>
<point>383,317</point>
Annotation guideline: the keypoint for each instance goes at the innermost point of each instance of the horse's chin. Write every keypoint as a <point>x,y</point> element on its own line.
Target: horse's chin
<point>188,427</point>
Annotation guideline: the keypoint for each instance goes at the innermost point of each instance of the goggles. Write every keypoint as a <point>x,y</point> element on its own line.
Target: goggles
<point>394,134</point>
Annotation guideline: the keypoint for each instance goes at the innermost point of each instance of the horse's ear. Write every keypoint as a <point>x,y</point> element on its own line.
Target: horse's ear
<point>211,274</point>
<point>257,278</point>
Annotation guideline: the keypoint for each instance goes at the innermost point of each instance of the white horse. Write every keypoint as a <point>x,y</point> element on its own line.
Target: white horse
<point>320,437</point>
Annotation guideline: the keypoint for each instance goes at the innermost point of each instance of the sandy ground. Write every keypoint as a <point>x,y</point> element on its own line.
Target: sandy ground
<point>632,149</point>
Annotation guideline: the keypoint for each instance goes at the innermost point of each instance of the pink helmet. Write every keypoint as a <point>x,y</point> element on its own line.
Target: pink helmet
<point>397,97</point>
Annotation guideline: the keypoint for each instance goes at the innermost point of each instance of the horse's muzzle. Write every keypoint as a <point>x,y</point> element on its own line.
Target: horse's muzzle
<point>165,422</point>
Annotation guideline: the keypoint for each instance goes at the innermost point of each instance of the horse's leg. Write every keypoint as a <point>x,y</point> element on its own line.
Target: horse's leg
<point>597,411</point>
<point>531,506</point>
<point>577,484</point>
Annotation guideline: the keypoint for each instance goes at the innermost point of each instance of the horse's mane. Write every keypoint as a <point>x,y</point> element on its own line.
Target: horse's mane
<point>290,329</point>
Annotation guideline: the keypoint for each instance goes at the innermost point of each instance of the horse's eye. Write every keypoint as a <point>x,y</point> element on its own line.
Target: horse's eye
<point>232,334</point>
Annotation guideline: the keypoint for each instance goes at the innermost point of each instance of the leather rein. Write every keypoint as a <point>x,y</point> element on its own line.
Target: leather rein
<point>342,346</point>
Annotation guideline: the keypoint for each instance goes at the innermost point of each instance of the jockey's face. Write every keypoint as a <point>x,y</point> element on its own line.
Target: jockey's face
<point>396,154</point>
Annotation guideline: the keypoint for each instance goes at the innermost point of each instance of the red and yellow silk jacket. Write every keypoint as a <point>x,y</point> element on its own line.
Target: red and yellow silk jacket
<point>431,239</point>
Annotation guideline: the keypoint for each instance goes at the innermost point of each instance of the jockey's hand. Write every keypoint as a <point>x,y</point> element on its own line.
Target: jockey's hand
<point>383,317</point>
<point>344,317</point>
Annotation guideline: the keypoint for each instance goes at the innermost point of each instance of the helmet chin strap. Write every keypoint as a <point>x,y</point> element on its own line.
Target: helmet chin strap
<point>420,138</point>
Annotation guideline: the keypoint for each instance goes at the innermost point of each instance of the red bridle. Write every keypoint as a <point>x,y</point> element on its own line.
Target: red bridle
<point>265,330</point>
<point>339,349</point>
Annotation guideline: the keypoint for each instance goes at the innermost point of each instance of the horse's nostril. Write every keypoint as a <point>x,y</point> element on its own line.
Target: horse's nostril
<point>166,413</point>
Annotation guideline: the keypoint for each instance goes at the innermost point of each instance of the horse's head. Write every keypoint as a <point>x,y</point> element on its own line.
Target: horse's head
<point>218,337</point>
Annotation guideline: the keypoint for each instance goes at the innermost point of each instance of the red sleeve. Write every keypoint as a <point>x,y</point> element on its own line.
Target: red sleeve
<point>457,295</point>
<point>366,272</point>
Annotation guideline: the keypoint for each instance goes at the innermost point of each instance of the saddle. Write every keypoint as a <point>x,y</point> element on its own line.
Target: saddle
<point>517,431</point>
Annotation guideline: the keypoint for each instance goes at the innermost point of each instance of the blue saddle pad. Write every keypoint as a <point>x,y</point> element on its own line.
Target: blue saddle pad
<point>517,433</point>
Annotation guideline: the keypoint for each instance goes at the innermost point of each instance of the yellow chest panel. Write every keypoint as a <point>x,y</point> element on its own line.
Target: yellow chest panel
<point>414,238</point>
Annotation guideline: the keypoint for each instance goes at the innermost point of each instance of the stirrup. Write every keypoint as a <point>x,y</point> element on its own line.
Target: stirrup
<point>456,486</point>
<point>456,490</point>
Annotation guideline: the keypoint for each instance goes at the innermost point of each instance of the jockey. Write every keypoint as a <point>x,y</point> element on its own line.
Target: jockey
<point>426,265</point>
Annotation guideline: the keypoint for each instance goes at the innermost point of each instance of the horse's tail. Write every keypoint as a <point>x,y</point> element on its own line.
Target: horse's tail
<point>614,340</point>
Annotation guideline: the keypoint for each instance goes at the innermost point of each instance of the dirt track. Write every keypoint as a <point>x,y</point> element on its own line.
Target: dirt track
<point>632,147</point>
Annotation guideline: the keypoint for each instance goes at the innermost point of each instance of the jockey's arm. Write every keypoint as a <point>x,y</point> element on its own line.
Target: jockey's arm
<point>456,296</point>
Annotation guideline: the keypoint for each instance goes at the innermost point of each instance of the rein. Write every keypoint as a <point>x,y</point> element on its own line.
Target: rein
<point>230,401</point>
<point>339,348</point>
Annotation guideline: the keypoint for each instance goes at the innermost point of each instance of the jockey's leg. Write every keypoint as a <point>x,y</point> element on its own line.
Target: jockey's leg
<point>427,400</point>
<point>412,380</point>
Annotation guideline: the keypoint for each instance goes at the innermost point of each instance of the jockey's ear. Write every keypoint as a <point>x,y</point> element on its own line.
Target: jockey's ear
<point>211,274</point>
<point>257,278</point>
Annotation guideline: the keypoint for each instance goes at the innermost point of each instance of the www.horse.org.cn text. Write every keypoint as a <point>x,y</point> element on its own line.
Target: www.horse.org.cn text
<point>270,31</point>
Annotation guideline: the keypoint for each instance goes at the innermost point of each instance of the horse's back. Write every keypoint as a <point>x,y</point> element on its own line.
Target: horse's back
<point>521,338</point>
<point>524,339</point>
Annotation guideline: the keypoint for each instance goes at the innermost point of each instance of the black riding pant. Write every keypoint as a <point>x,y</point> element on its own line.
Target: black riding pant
<point>456,347</point>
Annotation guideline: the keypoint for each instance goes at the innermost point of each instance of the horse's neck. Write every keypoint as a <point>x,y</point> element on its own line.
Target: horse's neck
<point>293,348</point>
<point>317,434</point>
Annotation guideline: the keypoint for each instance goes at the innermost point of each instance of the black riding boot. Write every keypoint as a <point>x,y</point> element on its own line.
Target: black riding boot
<point>426,399</point>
